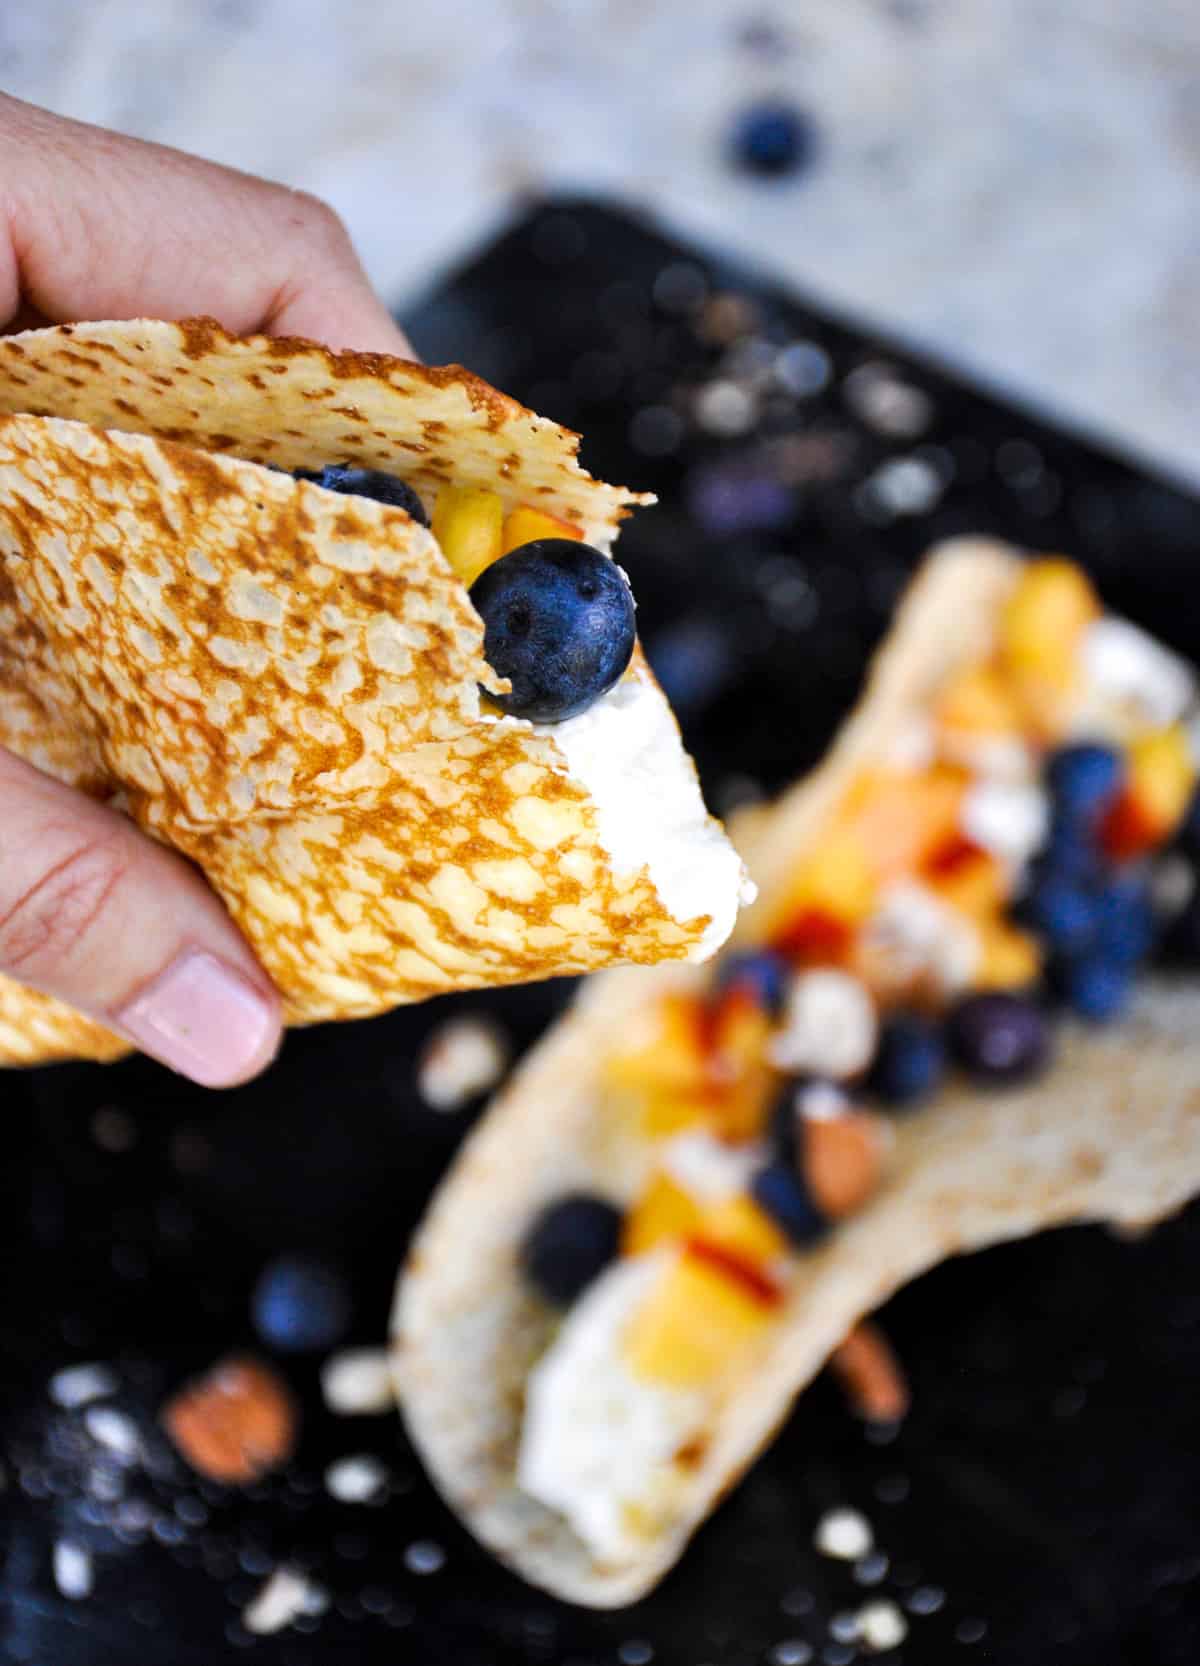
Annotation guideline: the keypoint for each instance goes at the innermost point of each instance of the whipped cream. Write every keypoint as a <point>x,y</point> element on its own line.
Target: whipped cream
<point>598,1443</point>
<point>650,813</point>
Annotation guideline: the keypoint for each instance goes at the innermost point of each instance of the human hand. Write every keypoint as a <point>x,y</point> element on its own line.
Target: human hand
<point>94,225</point>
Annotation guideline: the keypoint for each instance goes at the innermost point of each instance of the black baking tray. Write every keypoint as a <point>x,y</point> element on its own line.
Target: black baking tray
<point>1040,1503</point>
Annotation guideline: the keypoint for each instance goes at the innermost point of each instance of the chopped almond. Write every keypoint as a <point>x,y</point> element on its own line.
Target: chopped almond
<point>843,1160</point>
<point>235,1423</point>
<point>871,1375</point>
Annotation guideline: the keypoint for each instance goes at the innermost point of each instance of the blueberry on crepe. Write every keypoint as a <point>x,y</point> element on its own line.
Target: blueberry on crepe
<point>558,622</point>
<point>570,1244</point>
<point>372,483</point>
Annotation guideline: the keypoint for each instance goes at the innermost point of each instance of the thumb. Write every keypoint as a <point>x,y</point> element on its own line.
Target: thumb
<point>95,913</point>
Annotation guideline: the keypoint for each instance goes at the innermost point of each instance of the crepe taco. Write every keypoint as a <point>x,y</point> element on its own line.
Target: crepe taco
<point>698,1185</point>
<point>285,678</point>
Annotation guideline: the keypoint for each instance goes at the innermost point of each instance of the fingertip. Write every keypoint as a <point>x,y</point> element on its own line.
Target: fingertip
<point>359,328</point>
<point>205,1019</point>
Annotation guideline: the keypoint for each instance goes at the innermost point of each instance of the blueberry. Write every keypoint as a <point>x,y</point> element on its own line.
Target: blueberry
<point>998,1037</point>
<point>779,1190</point>
<point>1126,929</point>
<point>1083,780</point>
<point>300,1304</point>
<point>558,622</point>
<point>1097,988</point>
<point>773,138</point>
<point>1064,914</point>
<point>765,975</point>
<point>910,1059</point>
<point>372,483</point>
<point>1069,853</point>
<point>569,1244</point>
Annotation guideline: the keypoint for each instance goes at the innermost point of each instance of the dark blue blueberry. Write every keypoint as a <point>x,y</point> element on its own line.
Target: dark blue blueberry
<point>1126,928</point>
<point>910,1059</point>
<point>373,483</point>
<point>570,1244</point>
<point>998,1037</point>
<point>1083,780</point>
<point>1070,853</point>
<point>558,622</point>
<point>1096,988</point>
<point>764,974</point>
<point>300,1305</point>
<point>1065,915</point>
<point>779,1190</point>
<point>773,138</point>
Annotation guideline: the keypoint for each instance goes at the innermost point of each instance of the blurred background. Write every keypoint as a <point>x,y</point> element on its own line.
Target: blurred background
<point>1012,183</point>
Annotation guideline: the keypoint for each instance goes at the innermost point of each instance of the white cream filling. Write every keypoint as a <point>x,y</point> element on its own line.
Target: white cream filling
<point>597,1442</point>
<point>1128,669</point>
<point>650,813</point>
<point>708,1169</point>
<point>1008,818</point>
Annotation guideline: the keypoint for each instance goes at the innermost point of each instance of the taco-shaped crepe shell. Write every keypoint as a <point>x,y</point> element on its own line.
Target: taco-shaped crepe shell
<point>284,683</point>
<point>1113,1134</point>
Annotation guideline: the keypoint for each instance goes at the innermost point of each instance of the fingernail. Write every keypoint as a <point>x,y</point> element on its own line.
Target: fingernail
<point>204,1019</point>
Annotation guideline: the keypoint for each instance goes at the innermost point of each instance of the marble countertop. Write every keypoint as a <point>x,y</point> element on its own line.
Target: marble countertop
<point>1012,184</point>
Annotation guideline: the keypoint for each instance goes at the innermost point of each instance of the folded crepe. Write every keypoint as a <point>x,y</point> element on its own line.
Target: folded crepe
<point>284,682</point>
<point>593,1496</point>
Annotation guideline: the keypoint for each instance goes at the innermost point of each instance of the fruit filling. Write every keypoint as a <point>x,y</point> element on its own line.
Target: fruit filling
<point>1000,869</point>
<point>558,615</point>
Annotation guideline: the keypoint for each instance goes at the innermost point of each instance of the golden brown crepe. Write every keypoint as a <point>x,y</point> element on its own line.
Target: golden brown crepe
<point>284,683</point>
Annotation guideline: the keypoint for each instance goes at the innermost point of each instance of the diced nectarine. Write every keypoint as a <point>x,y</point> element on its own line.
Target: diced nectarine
<point>899,820</point>
<point>1042,622</point>
<point>523,525</point>
<point>698,1316</point>
<point>738,1225</point>
<point>663,1211</point>
<point>834,884</point>
<point>1009,957</point>
<point>977,702</point>
<point>1159,779</point>
<point>467,523</point>
<point>969,879</point>
<point>663,1072</point>
<point>742,1081</point>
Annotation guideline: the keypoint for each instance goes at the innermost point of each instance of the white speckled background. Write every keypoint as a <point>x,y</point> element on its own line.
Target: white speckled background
<point>1012,183</point>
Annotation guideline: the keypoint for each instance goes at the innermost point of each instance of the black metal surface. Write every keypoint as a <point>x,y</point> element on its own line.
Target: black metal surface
<point>1040,1502</point>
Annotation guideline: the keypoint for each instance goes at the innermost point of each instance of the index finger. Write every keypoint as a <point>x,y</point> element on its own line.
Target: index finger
<point>103,226</point>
